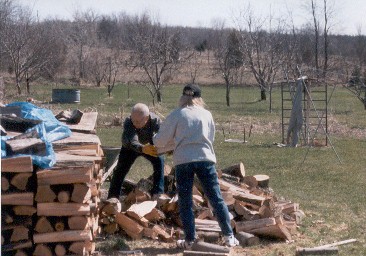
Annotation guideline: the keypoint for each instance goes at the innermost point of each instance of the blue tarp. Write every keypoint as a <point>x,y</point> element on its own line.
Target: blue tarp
<point>49,130</point>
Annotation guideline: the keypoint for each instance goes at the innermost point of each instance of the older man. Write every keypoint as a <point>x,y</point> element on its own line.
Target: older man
<point>138,131</point>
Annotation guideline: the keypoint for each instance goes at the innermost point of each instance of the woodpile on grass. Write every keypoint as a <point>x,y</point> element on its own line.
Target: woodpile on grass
<point>256,212</point>
<point>52,211</point>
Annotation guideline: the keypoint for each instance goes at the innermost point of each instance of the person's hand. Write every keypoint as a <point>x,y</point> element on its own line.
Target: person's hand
<point>149,150</point>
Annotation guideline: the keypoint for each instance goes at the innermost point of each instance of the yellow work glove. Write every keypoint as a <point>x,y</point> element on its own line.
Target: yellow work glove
<point>149,150</point>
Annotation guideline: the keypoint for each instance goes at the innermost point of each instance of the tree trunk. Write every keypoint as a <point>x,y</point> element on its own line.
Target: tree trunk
<point>227,93</point>
<point>263,94</point>
<point>158,96</point>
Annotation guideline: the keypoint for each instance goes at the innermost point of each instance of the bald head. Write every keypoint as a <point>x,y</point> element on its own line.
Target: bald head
<point>140,115</point>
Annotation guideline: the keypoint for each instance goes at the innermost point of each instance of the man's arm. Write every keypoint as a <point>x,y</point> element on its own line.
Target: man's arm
<point>130,138</point>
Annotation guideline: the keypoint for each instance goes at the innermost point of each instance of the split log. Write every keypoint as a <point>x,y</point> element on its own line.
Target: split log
<point>316,251</point>
<point>112,206</point>
<point>19,233</point>
<point>17,199</point>
<point>24,210</point>
<point>236,170</point>
<point>4,184</point>
<point>206,213</point>
<point>7,217</point>
<point>17,246</point>
<point>155,215</point>
<point>247,239</point>
<point>66,176</point>
<point>42,250</point>
<point>78,222</point>
<point>20,253</point>
<point>59,209</point>
<point>207,247</point>
<point>232,179</point>
<point>29,146</point>
<point>150,233</point>
<point>60,250</point>
<point>43,225</point>
<point>80,248</point>
<point>111,228</point>
<point>86,124</point>
<point>249,225</point>
<point>249,198</point>
<point>81,193</point>
<point>277,231</point>
<point>45,194</point>
<point>207,225</point>
<point>63,236</point>
<point>228,197</point>
<point>251,181</point>
<point>163,234</point>
<point>20,180</point>
<point>132,228</point>
<point>17,164</point>
<point>247,214</point>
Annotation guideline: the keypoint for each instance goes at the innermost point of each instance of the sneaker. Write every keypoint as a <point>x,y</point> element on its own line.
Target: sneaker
<point>183,244</point>
<point>231,241</point>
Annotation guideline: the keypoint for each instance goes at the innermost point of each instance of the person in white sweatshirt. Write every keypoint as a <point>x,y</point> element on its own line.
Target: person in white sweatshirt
<point>189,131</point>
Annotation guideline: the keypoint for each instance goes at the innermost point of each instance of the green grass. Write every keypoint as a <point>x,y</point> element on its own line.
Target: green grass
<point>330,192</point>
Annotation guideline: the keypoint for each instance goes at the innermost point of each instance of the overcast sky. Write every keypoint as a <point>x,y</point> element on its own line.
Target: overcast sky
<point>349,15</point>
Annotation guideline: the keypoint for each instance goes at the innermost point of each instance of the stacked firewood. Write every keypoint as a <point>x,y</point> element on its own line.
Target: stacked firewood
<point>53,211</point>
<point>255,210</point>
<point>17,199</point>
<point>68,194</point>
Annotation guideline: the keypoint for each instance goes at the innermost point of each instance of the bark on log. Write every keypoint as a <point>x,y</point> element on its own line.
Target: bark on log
<point>209,237</point>
<point>263,180</point>
<point>237,170</point>
<point>207,247</point>
<point>316,251</point>
<point>247,239</point>
<point>45,194</point>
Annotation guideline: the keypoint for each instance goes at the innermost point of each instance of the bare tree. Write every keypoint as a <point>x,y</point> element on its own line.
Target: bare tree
<point>32,48</point>
<point>81,36</point>
<point>229,58</point>
<point>264,51</point>
<point>155,50</point>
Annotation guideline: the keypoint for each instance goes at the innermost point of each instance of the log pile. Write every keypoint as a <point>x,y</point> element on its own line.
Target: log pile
<point>54,211</point>
<point>17,209</point>
<point>255,210</point>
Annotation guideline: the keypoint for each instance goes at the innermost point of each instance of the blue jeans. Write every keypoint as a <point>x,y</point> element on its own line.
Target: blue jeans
<point>126,159</point>
<point>206,173</point>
